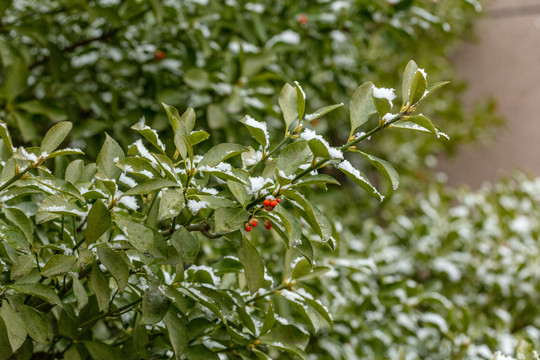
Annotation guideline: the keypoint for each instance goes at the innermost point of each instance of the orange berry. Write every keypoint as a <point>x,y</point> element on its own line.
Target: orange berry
<point>247,227</point>
<point>267,202</point>
<point>253,222</point>
<point>278,200</point>
<point>273,203</point>
<point>268,224</point>
<point>159,55</point>
<point>302,19</point>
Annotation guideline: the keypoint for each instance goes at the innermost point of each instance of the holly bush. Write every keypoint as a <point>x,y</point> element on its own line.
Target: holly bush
<point>153,253</point>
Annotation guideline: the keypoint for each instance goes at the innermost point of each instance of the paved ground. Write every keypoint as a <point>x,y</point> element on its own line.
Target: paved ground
<point>503,62</point>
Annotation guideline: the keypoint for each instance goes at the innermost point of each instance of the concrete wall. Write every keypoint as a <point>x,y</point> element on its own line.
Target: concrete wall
<point>503,62</point>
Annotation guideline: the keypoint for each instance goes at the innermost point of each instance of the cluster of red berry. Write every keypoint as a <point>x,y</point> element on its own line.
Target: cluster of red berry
<point>269,205</point>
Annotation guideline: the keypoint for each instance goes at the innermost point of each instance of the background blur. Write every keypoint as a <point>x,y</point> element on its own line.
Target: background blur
<point>501,62</point>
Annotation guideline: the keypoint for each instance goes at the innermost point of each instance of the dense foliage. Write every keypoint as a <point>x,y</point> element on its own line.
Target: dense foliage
<point>104,64</point>
<point>452,275</point>
<point>102,259</point>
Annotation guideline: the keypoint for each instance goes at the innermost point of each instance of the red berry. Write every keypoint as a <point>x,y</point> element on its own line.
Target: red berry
<point>268,224</point>
<point>253,222</point>
<point>273,203</point>
<point>302,19</point>
<point>247,227</point>
<point>278,200</point>
<point>267,202</point>
<point>159,55</point>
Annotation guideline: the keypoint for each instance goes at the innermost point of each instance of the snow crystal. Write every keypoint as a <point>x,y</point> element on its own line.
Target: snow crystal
<point>423,73</point>
<point>258,8</point>
<point>283,175</point>
<point>387,117</point>
<point>249,121</point>
<point>127,180</point>
<point>257,183</point>
<point>28,156</point>
<point>211,271</point>
<point>309,134</point>
<point>195,206</point>
<point>500,356</point>
<point>130,202</point>
<point>384,93</point>
<point>252,157</point>
<point>67,251</point>
<point>288,37</point>
<point>234,47</point>
<point>301,90</point>
<point>209,191</point>
<point>60,208</point>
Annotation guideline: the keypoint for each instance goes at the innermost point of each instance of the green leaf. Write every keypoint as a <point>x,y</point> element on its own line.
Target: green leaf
<point>315,215</point>
<point>361,106</point>
<point>110,153</point>
<point>4,133</point>
<point>321,112</point>
<point>16,328</point>
<point>288,102</point>
<point>230,219</point>
<point>58,264</point>
<point>319,179</point>
<point>149,186</point>
<point>100,285</point>
<point>385,168</point>
<point>138,166</point>
<point>220,153</point>
<point>186,245</point>
<point>408,75</point>
<point>292,156</point>
<point>418,88</point>
<point>320,308</point>
<point>197,137</point>
<point>301,96</point>
<point>216,116</point>
<point>382,105</point>
<point>47,108</point>
<point>80,292</point>
<point>434,87</point>
<point>64,152</point>
<point>140,236</point>
<point>101,351</point>
<point>19,218</point>
<point>359,178</point>
<point>4,342</point>
<point>239,192</point>
<point>200,352</point>
<point>115,264</point>
<point>288,338</point>
<point>197,79</point>
<point>57,205</point>
<point>36,323</point>
<point>171,204</point>
<point>177,331</point>
<point>413,126</point>
<point>253,265</point>
<point>291,225</point>
<point>98,222</point>
<point>15,80</point>
<point>154,306</point>
<point>55,136</point>
<point>424,122</point>
<point>173,115</point>
<point>150,135</point>
<point>269,320</point>
<point>41,291</point>
<point>257,129</point>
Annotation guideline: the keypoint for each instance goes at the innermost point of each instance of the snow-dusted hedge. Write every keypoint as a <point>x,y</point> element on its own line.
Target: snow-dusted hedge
<point>453,275</point>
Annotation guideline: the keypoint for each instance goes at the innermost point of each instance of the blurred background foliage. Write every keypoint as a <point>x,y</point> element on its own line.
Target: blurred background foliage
<point>105,64</point>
